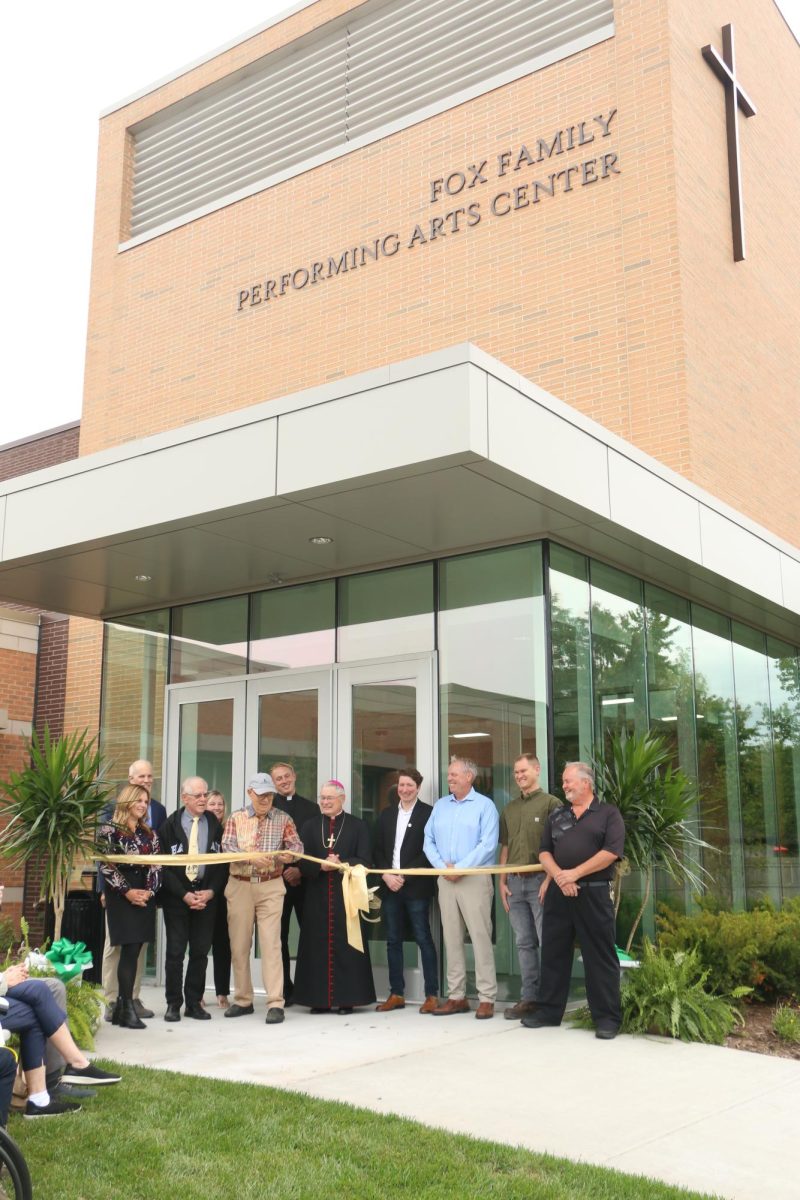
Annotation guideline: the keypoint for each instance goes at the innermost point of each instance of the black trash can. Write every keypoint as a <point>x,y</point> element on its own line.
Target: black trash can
<point>84,922</point>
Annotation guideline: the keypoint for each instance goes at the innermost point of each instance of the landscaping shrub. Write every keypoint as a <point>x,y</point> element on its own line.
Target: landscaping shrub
<point>786,1024</point>
<point>669,994</point>
<point>758,949</point>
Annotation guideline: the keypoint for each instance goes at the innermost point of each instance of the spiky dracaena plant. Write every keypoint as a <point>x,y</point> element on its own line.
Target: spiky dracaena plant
<point>52,807</point>
<point>656,801</point>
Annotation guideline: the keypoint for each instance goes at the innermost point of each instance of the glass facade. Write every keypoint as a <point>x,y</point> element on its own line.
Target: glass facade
<point>293,627</point>
<point>135,666</point>
<point>539,648</point>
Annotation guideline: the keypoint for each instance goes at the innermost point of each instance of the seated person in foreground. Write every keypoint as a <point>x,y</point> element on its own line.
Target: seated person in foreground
<point>34,1015</point>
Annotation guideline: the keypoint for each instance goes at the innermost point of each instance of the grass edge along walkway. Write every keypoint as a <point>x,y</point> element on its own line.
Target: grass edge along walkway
<point>161,1134</point>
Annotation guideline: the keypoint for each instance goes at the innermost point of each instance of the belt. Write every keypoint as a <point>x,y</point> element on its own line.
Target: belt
<point>597,883</point>
<point>256,878</point>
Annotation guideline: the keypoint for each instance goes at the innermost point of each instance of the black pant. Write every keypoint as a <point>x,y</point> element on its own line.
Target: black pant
<point>8,1073</point>
<point>590,916</point>
<point>195,929</point>
<point>221,947</point>
<point>293,902</point>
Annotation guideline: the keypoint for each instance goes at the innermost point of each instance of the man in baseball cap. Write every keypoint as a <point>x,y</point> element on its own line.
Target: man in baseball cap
<point>255,892</point>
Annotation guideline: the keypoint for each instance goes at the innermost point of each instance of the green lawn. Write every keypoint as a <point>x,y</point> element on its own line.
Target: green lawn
<point>163,1136</point>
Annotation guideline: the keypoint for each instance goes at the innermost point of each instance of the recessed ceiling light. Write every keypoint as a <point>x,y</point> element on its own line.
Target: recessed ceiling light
<point>320,541</point>
<point>143,578</point>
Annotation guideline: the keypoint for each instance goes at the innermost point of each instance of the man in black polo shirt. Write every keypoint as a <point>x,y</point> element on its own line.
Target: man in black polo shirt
<point>580,845</point>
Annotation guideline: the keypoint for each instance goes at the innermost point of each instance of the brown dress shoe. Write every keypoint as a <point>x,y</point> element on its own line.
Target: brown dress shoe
<point>520,1009</point>
<point>430,1005</point>
<point>391,1003</point>
<point>451,1006</point>
<point>485,1011</point>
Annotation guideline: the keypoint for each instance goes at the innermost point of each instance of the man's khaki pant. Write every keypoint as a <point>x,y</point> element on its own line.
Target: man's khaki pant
<point>468,905</point>
<point>249,905</point>
<point>110,964</point>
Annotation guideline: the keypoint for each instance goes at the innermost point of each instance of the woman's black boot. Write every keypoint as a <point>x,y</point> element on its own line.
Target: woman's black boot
<point>128,1018</point>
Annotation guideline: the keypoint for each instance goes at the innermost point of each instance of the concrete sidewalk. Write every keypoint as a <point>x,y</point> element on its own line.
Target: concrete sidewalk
<point>720,1121</point>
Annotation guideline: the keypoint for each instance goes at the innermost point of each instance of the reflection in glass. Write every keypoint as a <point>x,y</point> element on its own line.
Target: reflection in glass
<point>293,627</point>
<point>209,640</point>
<point>717,772</point>
<point>135,655</point>
<point>572,659</point>
<point>670,691</point>
<point>492,678</point>
<point>620,695</point>
<point>288,731</point>
<point>756,769</point>
<point>670,674</point>
<point>384,741</point>
<point>386,613</point>
<point>784,686</point>
<point>206,745</point>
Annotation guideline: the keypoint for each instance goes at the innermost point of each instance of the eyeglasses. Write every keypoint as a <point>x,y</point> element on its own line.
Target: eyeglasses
<point>196,795</point>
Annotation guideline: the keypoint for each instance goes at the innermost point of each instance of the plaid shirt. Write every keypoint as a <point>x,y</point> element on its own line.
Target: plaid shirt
<point>246,832</point>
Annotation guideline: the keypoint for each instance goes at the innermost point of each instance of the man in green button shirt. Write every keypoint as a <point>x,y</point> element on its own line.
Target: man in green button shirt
<point>521,825</point>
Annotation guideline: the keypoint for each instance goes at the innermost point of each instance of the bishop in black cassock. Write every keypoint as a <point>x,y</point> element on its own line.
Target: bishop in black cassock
<point>330,974</point>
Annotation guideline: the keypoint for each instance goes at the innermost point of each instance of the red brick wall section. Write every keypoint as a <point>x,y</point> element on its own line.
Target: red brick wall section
<point>41,450</point>
<point>17,689</point>
<point>51,681</point>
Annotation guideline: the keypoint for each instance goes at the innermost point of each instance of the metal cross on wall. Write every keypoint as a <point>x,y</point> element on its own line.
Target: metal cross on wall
<point>735,98</point>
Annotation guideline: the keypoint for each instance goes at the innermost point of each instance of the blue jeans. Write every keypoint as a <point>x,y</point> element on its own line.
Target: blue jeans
<point>35,1016</point>
<point>525,915</point>
<point>395,906</point>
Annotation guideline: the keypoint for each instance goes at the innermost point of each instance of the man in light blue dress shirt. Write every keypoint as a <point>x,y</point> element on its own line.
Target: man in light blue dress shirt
<point>462,832</point>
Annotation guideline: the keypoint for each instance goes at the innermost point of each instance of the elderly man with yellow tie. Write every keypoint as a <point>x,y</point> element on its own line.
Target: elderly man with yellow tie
<point>189,896</point>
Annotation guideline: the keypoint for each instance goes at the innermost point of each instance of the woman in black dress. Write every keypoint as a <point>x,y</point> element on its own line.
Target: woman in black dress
<point>130,892</point>
<point>330,974</point>
<point>221,945</point>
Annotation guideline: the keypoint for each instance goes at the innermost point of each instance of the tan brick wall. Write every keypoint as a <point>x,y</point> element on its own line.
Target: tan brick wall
<point>742,348</point>
<point>579,292</point>
<point>620,298</point>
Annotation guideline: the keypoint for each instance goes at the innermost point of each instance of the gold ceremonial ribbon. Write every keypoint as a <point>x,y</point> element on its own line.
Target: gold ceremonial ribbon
<point>355,892</point>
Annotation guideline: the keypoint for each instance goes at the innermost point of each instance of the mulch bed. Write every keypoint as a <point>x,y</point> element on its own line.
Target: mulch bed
<point>758,1036</point>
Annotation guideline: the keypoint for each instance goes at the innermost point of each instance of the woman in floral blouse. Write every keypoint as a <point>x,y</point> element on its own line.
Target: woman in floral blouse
<point>130,892</point>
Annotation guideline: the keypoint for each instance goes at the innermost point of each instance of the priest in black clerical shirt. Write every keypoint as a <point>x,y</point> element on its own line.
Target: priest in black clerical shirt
<point>300,810</point>
<point>331,974</point>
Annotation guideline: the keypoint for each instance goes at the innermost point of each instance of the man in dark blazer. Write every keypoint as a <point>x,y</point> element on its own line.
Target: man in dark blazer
<point>300,810</point>
<point>398,843</point>
<point>189,899</point>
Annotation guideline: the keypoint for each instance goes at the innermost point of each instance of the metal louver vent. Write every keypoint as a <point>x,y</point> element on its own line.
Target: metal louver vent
<point>384,66</point>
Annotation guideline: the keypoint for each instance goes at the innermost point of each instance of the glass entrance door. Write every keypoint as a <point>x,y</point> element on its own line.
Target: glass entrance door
<point>357,723</point>
<point>205,737</point>
<point>386,722</point>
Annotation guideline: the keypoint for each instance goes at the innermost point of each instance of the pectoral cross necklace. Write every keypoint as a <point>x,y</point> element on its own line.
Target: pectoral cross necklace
<point>331,841</point>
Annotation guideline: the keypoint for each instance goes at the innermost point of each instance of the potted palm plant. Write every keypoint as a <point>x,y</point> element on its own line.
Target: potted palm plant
<point>51,808</point>
<point>656,801</point>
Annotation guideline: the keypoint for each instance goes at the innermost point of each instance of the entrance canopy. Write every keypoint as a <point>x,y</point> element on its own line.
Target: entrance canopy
<point>415,460</point>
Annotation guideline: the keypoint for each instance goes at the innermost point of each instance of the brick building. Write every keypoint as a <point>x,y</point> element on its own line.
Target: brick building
<point>33,664</point>
<point>429,408</point>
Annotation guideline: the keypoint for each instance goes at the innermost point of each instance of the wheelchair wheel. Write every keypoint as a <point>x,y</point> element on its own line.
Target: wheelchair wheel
<point>15,1179</point>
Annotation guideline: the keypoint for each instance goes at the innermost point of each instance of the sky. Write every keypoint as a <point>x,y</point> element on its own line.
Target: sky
<point>63,64</point>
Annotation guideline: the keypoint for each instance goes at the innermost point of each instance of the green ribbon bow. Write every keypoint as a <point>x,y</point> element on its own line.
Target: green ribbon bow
<point>69,958</point>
